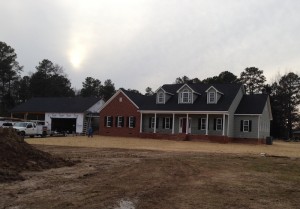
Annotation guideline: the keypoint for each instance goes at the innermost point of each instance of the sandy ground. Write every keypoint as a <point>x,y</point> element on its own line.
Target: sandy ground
<point>279,148</point>
<point>130,173</point>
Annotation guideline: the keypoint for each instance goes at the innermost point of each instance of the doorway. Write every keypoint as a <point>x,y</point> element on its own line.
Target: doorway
<point>183,126</point>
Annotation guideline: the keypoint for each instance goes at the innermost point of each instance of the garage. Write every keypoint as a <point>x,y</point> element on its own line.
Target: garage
<point>63,125</point>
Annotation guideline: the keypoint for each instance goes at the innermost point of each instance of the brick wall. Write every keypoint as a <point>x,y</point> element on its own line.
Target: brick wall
<point>120,105</point>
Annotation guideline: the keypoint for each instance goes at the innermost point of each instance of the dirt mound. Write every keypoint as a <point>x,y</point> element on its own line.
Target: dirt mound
<point>16,156</point>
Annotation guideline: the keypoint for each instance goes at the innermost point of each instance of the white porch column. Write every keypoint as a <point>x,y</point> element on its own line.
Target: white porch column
<point>223,125</point>
<point>258,127</point>
<point>228,125</point>
<point>187,124</point>
<point>154,130</point>
<point>141,123</point>
<point>173,123</point>
<point>206,125</point>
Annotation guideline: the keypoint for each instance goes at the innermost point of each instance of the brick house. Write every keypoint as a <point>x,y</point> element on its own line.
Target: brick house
<point>211,112</point>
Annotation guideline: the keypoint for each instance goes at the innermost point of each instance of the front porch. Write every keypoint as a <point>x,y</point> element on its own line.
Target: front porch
<point>212,126</point>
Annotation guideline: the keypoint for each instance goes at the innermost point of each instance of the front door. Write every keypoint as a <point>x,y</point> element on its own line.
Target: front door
<point>182,125</point>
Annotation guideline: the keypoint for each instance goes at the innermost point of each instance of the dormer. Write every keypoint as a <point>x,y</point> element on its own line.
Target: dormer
<point>213,95</point>
<point>162,96</point>
<point>186,95</point>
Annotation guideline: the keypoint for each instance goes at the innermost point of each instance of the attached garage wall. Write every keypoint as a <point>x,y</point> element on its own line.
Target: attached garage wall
<point>78,116</point>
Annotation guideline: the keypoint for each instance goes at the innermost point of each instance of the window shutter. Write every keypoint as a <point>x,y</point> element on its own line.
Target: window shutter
<point>171,123</point>
<point>250,125</point>
<point>116,122</point>
<point>133,125</point>
<point>215,124</point>
<point>199,123</point>
<point>164,123</point>
<point>241,126</point>
<point>105,119</point>
<point>127,122</point>
<point>112,120</point>
<point>150,119</point>
<point>157,122</point>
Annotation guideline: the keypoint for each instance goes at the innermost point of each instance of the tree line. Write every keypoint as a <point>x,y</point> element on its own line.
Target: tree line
<point>49,80</point>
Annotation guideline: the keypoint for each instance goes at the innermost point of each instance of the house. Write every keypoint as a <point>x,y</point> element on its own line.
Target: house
<point>71,114</point>
<point>212,112</point>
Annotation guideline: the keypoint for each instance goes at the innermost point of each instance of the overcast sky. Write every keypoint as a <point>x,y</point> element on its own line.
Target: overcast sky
<point>140,43</point>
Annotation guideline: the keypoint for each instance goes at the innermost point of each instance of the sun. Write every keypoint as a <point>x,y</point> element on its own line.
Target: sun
<point>77,55</point>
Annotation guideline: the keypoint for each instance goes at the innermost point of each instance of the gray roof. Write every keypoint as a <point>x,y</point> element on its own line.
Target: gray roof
<point>252,104</point>
<point>56,104</point>
<point>200,104</point>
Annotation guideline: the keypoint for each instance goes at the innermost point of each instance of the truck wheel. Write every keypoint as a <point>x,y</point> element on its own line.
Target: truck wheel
<point>31,136</point>
<point>44,134</point>
<point>22,133</point>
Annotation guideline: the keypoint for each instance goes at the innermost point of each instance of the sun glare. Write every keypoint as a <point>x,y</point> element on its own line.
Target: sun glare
<point>77,55</point>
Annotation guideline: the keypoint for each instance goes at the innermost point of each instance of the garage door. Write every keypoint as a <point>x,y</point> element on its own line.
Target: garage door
<point>63,124</point>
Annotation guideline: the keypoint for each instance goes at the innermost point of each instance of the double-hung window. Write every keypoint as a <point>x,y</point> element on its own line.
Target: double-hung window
<point>120,121</point>
<point>108,121</point>
<point>246,125</point>
<point>160,98</point>
<point>186,96</point>
<point>167,123</point>
<point>212,97</point>
<point>219,124</point>
<point>203,124</point>
<point>131,122</point>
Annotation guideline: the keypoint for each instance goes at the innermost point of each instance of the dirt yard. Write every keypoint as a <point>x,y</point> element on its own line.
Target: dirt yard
<point>120,173</point>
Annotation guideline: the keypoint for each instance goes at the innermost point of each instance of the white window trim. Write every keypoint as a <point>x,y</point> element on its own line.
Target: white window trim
<point>108,121</point>
<point>212,95</point>
<point>219,122</point>
<point>203,122</point>
<point>169,123</point>
<point>246,125</point>
<point>130,121</point>
<point>189,96</point>
<point>161,98</point>
<point>119,124</point>
<point>152,122</point>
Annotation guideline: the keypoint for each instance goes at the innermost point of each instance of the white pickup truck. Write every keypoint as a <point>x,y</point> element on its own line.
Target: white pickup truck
<point>30,129</point>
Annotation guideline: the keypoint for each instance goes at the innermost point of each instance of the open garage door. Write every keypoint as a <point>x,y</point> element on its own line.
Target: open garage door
<point>63,124</point>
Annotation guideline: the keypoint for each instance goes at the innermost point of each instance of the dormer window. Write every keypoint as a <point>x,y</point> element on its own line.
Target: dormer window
<point>186,96</point>
<point>212,97</point>
<point>160,97</point>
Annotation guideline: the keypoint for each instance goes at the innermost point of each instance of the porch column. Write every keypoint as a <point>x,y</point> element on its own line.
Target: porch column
<point>141,123</point>
<point>223,125</point>
<point>206,126</point>
<point>227,125</point>
<point>258,127</point>
<point>154,130</point>
<point>187,124</point>
<point>173,122</point>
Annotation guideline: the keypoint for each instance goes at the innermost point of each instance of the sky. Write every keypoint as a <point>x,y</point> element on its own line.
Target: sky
<point>141,43</point>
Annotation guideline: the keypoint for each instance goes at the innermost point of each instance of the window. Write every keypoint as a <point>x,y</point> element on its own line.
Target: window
<point>152,122</point>
<point>218,124</point>
<point>167,123</point>
<point>202,124</point>
<point>160,98</point>
<point>186,96</point>
<point>212,97</point>
<point>246,125</point>
<point>131,122</point>
<point>108,121</point>
<point>120,121</point>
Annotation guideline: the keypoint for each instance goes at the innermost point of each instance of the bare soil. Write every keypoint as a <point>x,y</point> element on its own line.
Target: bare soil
<point>170,178</point>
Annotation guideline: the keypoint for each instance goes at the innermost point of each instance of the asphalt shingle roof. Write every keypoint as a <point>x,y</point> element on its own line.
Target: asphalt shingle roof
<point>200,104</point>
<point>57,104</point>
<point>252,104</point>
